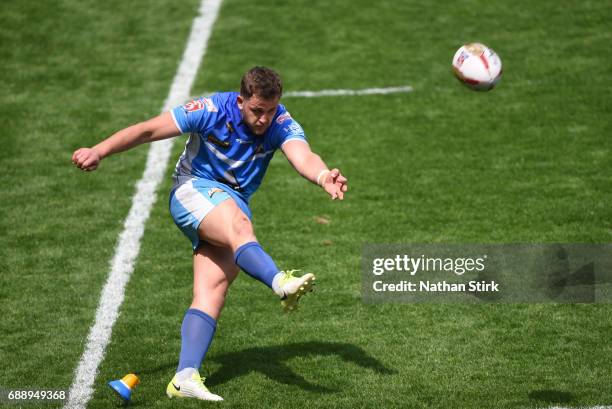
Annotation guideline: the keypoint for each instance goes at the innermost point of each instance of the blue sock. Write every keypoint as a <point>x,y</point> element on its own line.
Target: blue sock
<point>197,333</point>
<point>256,262</point>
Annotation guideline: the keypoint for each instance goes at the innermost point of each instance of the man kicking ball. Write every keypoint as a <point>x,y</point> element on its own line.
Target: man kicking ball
<point>233,137</point>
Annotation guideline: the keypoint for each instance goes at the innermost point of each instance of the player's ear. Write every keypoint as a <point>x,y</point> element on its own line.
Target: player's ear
<point>240,101</point>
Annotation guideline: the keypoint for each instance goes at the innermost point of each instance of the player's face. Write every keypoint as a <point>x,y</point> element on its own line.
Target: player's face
<point>257,113</point>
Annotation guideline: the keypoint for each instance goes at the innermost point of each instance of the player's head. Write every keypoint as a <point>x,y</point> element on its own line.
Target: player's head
<point>260,91</point>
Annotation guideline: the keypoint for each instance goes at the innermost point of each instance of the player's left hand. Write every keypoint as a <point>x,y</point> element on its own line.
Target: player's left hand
<point>335,184</point>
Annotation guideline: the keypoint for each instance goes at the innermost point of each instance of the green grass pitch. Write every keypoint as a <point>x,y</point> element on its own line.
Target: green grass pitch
<point>526,162</point>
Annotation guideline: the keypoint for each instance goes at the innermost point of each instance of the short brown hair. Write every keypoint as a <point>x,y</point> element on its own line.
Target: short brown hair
<point>263,82</point>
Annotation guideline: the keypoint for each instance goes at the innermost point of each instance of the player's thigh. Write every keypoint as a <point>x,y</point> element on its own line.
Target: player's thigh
<point>205,212</point>
<point>226,225</point>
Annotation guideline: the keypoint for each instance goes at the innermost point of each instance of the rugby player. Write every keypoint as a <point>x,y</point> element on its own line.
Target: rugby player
<point>233,137</point>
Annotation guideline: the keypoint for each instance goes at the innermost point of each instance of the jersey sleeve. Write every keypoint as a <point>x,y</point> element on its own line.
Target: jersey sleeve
<point>197,115</point>
<point>287,129</point>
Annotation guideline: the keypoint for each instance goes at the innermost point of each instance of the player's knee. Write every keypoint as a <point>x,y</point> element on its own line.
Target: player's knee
<point>242,229</point>
<point>231,276</point>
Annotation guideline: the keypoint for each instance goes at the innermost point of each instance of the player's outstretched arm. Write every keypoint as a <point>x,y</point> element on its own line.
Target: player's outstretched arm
<point>154,129</point>
<point>311,166</point>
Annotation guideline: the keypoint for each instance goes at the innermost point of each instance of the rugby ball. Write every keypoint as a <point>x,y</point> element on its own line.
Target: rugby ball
<point>477,66</point>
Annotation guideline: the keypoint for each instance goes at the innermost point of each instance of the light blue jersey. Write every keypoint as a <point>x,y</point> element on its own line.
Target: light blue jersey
<point>222,159</point>
<point>221,148</point>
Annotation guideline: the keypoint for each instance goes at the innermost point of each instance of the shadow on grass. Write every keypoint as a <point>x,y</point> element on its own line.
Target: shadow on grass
<point>551,396</point>
<point>271,362</point>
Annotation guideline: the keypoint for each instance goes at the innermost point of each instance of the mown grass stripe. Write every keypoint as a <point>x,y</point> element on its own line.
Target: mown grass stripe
<point>128,245</point>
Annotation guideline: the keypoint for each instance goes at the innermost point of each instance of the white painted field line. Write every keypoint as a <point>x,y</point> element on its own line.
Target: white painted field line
<point>128,244</point>
<point>404,89</point>
<point>348,92</point>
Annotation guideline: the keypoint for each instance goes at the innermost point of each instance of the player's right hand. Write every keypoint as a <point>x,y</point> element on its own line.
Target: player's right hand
<point>335,184</point>
<point>86,159</point>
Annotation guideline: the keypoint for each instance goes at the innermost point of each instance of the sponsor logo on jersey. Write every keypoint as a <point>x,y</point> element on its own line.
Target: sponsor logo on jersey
<point>199,104</point>
<point>282,118</point>
<point>293,129</point>
<point>214,140</point>
<point>229,127</point>
<point>214,190</point>
<point>193,106</point>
